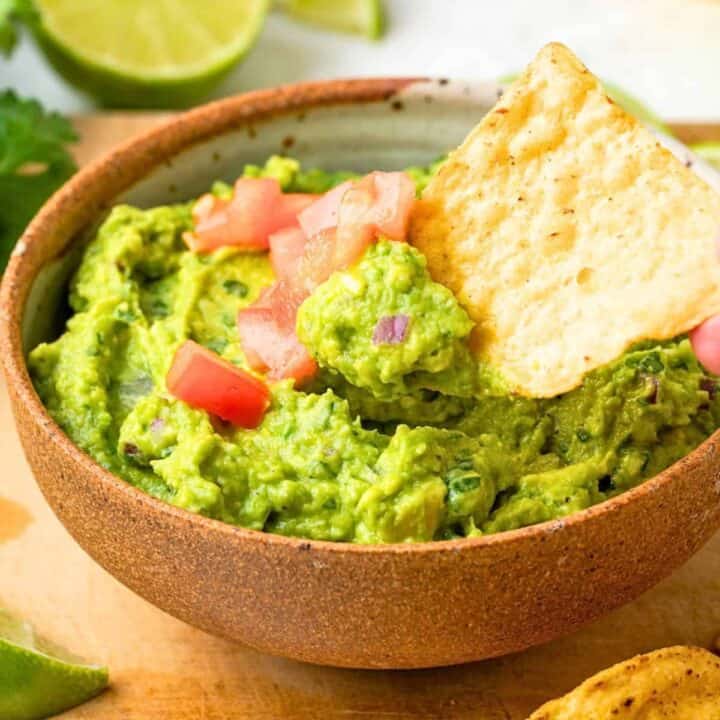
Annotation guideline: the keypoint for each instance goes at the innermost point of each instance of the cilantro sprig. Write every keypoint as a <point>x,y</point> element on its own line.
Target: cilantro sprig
<point>34,162</point>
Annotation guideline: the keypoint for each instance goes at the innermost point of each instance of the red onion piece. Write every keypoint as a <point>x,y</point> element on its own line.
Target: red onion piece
<point>157,426</point>
<point>391,330</point>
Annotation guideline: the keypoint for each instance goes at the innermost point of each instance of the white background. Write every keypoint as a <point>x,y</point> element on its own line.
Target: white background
<point>665,51</point>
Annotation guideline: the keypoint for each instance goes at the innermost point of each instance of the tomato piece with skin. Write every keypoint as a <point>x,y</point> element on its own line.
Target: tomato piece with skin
<point>323,213</point>
<point>381,201</point>
<point>394,199</point>
<point>205,381</point>
<point>208,210</point>
<point>317,263</point>
<point>337,247</point>
<point>268,338</point>
<point>705,341</point>
<point>242,221</point>
<point>256,209</point>
<point>378,204</point>
<point>206,206</point>
<point>287,247</point>
<point>356,228</point>
<point>290,206</point>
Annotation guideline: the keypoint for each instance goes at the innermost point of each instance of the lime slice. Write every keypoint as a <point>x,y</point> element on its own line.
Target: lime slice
<point>360,17</point>
<point>38,679</point>
<point>147,53</point>
<point>709,151</point>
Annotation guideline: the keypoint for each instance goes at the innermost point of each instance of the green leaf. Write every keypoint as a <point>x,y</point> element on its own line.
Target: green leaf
<point>34,162</point>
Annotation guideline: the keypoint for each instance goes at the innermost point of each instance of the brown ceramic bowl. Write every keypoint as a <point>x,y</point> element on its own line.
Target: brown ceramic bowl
<point>391,606</point>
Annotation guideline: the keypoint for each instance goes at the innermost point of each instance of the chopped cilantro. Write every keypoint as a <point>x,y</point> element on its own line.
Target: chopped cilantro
<point>652,363</point>
<point>235,287</point>
<point>582,434</point>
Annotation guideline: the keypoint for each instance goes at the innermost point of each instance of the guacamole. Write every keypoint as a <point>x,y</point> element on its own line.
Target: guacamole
<point>400,437</point>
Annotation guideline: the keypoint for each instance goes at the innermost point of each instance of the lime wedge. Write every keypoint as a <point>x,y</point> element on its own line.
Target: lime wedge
<point>708,151</point>
<point>147,53</point>
<point>359,17</point>
<point>38,679</point>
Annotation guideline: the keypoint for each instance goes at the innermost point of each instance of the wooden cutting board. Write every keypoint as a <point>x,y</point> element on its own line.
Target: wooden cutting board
<point>162,669</point>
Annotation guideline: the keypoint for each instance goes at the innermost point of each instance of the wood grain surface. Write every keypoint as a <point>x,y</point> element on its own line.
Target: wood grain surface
<point>162,669</point>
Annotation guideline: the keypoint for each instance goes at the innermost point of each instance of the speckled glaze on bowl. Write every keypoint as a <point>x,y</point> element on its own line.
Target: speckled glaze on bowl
<point>391,606</point>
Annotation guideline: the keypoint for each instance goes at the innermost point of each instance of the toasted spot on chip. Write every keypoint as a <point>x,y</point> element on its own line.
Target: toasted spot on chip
<point>567,231</point>
<point>676,683</point>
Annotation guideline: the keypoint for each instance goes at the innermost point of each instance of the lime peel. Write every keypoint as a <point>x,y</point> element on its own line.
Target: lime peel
<point>39,679</point>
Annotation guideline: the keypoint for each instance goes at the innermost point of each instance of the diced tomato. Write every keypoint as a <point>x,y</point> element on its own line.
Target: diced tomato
<point>381,200</point>
<point>286,252</point>
<point>356,227</point>
<point>207,210</point>
<point>380,203</point>
<point>333,233</point>
<point>323,213</point>
<point>342,224</point>
<point>394,199</point>
<point>705,341</point>
<point>325,254</point>
<point>256,209</point>
<point>290,206</point>
<point>267,333</point>
<point>205,381</point>
<point>245,220</point>
<point>318,261</point>
<point>207,205</point>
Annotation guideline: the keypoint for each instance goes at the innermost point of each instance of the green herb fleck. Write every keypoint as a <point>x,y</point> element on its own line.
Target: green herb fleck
<point>237,288</point>
<point>652,363</point>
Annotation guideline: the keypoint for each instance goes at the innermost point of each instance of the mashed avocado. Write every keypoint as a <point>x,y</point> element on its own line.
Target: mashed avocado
<point>386,327</point>
<point>397,440</point>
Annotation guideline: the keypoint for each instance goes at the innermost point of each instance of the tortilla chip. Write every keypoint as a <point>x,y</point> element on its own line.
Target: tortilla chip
<point>567,231</point>
<point>676,683</point>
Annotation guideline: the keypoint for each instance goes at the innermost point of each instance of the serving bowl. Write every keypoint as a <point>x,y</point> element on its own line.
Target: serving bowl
<point>383,606</point>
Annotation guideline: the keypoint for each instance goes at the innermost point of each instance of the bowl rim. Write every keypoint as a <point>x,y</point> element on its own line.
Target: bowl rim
<point>193,127</point>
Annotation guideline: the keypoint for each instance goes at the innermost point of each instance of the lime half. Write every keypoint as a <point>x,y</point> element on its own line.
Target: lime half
<point>708,151</point>
<point>360,17</point>
<point>38,679</point>
<point>147,53</point>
